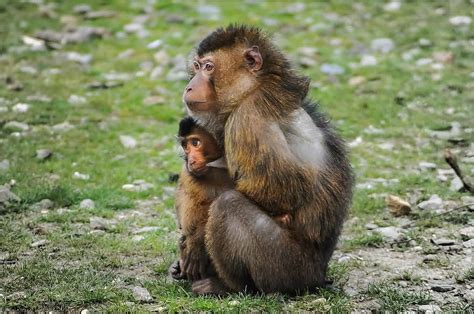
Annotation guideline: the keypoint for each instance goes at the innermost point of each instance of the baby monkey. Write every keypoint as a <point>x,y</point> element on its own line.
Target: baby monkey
<point>203,178</point>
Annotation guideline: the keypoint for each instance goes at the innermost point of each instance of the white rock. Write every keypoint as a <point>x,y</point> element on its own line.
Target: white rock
<point>128,141</point>
<point>424,165</point>
<point>391,233</point>
<point>332,69</point>
<point>467,233</point>
<point>433,203</point>
<point>76,100</point>
<point>4,165</point>
<point>368,60</point>
<point>99,223</point>
<point>423,62</point>
<point>460,20</point>
<point>468,244</point>
<point>39,243</point>
<point>43,154</point>
<point>80,176</point>
<point>87,204</point>
<point>34,43</point>
<point>383,45</point>
<point>146,229</point>
<point>209,12</point>
<point>137,238</point>
<point>356,142</point>
<point>142,295</point>
<point>16,126</point>
<point>137,186</point>
<point>429,308</point>
<point>77,57</point>
<point>3,109</point>
<point>155,44</point>
<point>21,108</point>
<point>386,146</point>
<point>62,127</point>
<point>392,6</point>
<point>456,185</point>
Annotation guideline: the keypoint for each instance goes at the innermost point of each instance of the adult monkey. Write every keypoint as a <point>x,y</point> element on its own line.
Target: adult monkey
<point>284,158</point>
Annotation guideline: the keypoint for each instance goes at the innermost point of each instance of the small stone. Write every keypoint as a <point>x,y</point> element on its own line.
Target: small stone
<point>391,233</point>
<point>87,204</point>
<point>137,186</point>
<point>209,12</point>
<point>443,57</point>
<point>443,242</point>
<point>80,176</point>
<point>16,126</point>
<point>62,127</point>
<point>433,203</point>
<point>368,60</point>
<point>77,100</point>
<point>234,303</point>
<point>85,311</point>
<point>356,142</point>
<point>21,108</point>
<point>6,196</point>
<point>429,308</point>
<point>383,45</point>
<point>456,185</point>
<point>93,15</point>
<point>44,204</point>
<point>423,62</point>
<point>370,226</point>
<point>142,295</point>
<point>397,206</point>
<point>169,191</point>
<point>155,44</point>
<point>332,69</point>
<point>427,166</point>
<point>146,229</point>
<point>128,141</point>
<point>468,244</point>
<point>460,20</point>
<point>77,57</point>
<point>442,288</point>
<point>137,238</point>
<point>356,80</point>
<point>39,243</point>
<point>43,154</point>
<point>161,57</point>
<point>153,100</point>
<point>34,43</point>
<point>4,165</point>
<point>99,223</point>
<point>468,201</point>
<point>467,233</point>
<point>81,8</point>
<point>392,6</point>
<point>424,42</point>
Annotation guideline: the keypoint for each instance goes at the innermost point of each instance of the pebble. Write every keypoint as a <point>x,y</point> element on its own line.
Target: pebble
<point>460,20</point>
<point>43,154</point>
<point>62,127</point>
<point>142,295</point>
<point>6,196</point>
<point>16,126</point>
<point>4,165</point>
<point>443,242</point>
<point>368,60</point>
<point>467,233</point>
<point>392,6</point>
<point>128,141</point>
<point>468,244</point>
<point>433,203</point>
<point>442,288</point>
<point>397,206</point>
<point>456,185</point>
<point>155,44</point>
<point>209,12</point>
<point>20,108</point>
<point>137,186</point>
<point>168,191</point>
<point>153,100</point>
<point>427,166</point>
<point>332,69</point>
<point>76,100</point>
<point>99,223</point>
<point>81,8</point>
<point>77,57</point>
<point>391,233</point>
<point>80,176</point>
<point>3,109</point>
<point>39,243</point>
<point>146,229</point>
<point>87,204</point>
<point>383,45</point>
<point>356,80</point>
<point>137,238</point>
<point>370,226</point>
<point>429,308</point>
<point>43,205</point>
<point>423,61</point>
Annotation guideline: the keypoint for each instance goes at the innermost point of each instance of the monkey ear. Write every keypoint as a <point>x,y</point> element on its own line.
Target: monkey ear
<point>253,58</point>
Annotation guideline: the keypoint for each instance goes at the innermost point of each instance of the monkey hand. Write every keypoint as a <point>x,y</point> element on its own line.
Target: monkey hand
<point>196,262</point>
<point>176,271</point>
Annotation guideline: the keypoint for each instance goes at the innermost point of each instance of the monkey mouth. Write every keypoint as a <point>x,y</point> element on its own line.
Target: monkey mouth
<point>197,105</point>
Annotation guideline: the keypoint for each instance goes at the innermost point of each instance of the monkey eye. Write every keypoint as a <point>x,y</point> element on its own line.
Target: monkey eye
<point>208,66</point>
<point>196,65</point>
<point>195,142</point>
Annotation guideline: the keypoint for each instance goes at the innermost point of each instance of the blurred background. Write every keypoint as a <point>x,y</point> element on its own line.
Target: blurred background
<point>90,97</point>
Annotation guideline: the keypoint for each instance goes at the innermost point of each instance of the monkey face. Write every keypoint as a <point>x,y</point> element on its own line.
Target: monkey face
<point>200,94</point>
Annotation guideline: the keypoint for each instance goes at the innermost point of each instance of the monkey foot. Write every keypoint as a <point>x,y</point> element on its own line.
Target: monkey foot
<point>209,286</point>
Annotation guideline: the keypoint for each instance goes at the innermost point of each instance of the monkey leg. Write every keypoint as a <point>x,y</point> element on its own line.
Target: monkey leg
<point>253,252</point>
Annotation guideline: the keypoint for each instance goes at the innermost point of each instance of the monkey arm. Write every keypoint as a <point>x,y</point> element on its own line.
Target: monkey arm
<point>265,169</point>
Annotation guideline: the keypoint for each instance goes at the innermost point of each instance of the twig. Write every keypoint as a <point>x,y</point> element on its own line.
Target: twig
<point>453,163</point>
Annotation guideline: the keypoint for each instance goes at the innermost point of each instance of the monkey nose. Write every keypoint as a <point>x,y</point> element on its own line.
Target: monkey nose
<point>188,89</point>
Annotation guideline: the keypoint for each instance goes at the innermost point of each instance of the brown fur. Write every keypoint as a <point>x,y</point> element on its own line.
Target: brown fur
<point>254,116</point>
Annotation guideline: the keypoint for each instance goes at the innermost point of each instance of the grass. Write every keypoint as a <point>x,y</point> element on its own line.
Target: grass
<point>77,269</point>
<point>394,300</point>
